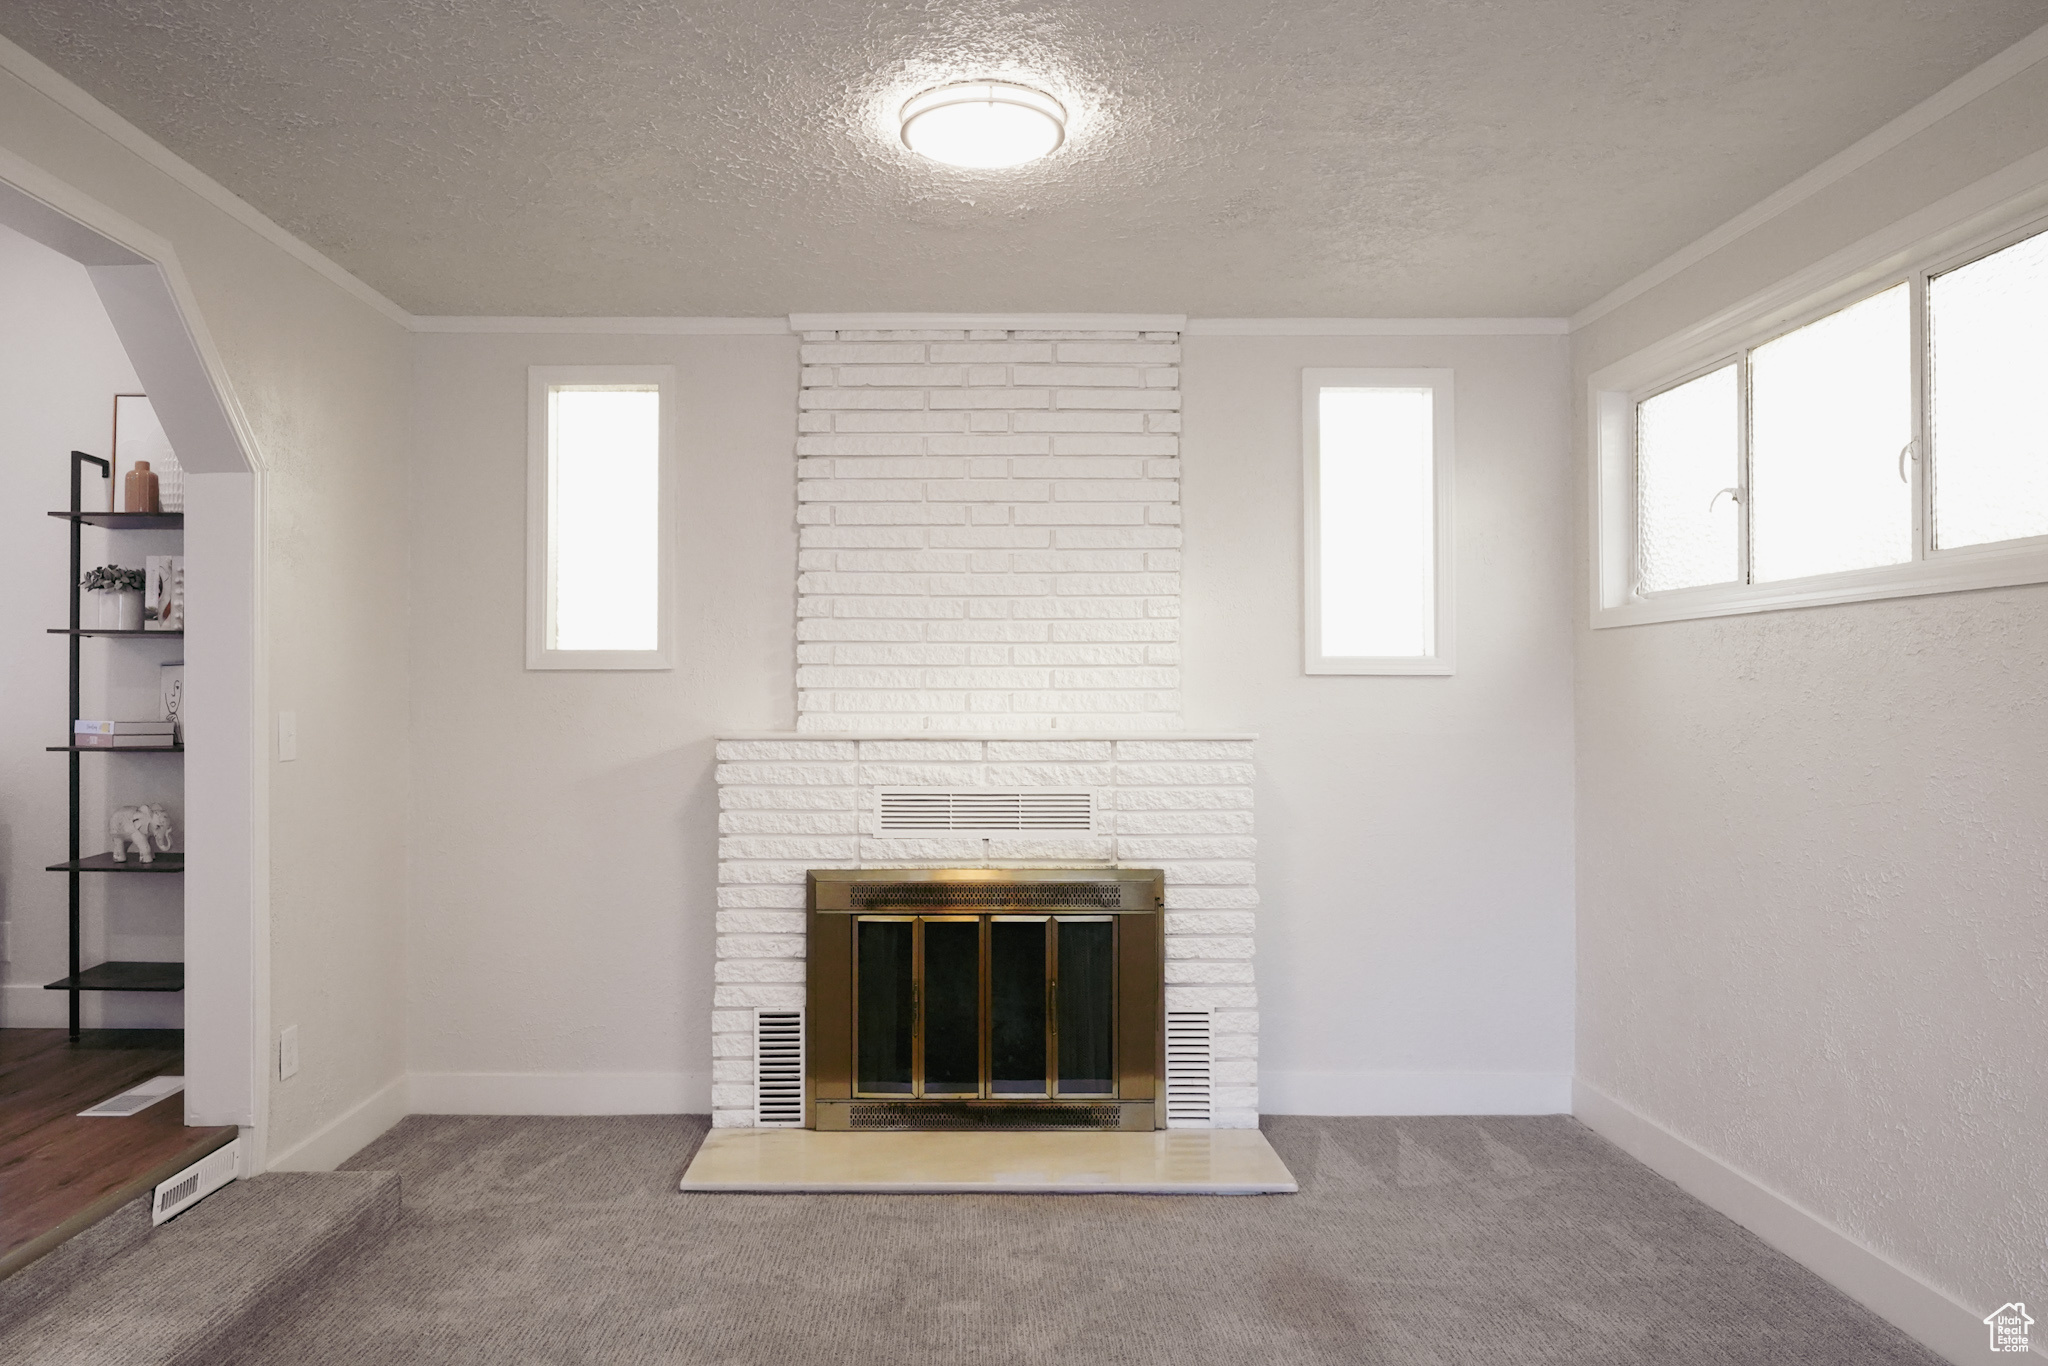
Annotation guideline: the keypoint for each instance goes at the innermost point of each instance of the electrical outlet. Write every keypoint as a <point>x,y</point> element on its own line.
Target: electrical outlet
<point>287,736</point>
<point>287,1052</point>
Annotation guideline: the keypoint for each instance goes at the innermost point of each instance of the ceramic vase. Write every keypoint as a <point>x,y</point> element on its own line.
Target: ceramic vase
<point>115,612</point>
<point>139,490</point>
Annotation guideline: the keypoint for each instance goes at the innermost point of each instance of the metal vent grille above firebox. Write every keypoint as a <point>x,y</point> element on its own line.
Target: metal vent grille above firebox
<point>983,812</point>
<point>987,896</point>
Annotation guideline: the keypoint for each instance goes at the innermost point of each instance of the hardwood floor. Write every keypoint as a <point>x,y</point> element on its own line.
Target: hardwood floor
<point>60,1173</point>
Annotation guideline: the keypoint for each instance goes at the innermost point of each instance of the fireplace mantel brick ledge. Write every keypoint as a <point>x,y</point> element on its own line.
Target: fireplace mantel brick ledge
<point>1178,800</point>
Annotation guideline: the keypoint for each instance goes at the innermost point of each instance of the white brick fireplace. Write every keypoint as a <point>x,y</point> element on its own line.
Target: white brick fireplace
<point>988,598</point>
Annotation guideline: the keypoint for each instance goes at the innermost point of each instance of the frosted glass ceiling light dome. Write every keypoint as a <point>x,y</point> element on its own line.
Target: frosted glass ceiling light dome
<point>984,124</point>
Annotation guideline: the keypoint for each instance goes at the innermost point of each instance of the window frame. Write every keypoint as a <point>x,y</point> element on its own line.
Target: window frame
<point>541,380</point>
<point>1840,282</point>
<point>1443,443</point>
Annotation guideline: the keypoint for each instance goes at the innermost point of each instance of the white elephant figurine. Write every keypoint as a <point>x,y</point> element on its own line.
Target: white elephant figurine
<point>138,825</point>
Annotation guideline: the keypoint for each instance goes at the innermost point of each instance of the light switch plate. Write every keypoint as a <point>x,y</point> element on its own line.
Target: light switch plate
<point>287,1052</point>
<point>287,736</point>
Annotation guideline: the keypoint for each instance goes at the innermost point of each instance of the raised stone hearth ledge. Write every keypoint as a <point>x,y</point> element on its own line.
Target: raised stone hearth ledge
<point>1178,801</point>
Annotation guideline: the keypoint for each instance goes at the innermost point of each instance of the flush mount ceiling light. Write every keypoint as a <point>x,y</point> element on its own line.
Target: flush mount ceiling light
<point>984,124</point>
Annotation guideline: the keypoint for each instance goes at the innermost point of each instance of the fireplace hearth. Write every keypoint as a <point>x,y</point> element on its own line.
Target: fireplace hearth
<point>979,998</point>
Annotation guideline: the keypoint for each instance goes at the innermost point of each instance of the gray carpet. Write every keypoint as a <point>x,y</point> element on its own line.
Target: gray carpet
<point>182,1294</point>
<point>1413,1241</point>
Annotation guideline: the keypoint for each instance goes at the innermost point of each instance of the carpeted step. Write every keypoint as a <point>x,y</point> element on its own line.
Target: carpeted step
<point>181,1295</point>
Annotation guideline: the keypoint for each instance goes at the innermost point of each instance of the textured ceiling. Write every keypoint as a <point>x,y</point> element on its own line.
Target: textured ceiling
<point>1226,157</point>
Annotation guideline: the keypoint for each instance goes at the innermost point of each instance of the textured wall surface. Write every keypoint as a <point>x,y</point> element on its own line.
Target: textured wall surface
<point>1385,159</point>
<point>990,530</point>
<point>565,823</point>
<point>1415,834</point>
<point>1182,805</point>
<point>1811,860</point>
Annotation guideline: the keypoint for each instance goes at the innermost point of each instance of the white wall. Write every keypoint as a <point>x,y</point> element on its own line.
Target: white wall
<point>564,832</point>
<point>1811,869</point>
<point>60,366</point>
<point>1415,834</point>
<point>322,377</point>
<point>1416,936</point>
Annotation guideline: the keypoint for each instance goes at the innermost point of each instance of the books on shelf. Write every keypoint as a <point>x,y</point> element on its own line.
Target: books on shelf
<point>123,734</point>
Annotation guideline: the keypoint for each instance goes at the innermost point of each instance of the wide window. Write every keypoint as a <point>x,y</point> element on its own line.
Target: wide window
<point>596,587</point>
<point>1377,491</point>
<point>1890,440</point>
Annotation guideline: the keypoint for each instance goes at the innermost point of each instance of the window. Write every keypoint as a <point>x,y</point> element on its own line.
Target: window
<point>597,500</point>
<point>1377,493</point>
<point>1889,439</point>
<point>1987,363</point>
<point>1830,414</point>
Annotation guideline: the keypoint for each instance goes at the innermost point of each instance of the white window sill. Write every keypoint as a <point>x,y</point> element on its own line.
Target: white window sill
<point>2005,565</point>
<point>1437,666</point>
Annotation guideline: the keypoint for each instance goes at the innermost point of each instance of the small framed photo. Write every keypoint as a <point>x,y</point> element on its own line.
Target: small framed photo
<point>163,593</point>
<point>170,689</point>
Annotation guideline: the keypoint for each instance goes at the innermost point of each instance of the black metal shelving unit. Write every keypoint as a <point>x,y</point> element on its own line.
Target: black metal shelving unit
<point>106,976</point>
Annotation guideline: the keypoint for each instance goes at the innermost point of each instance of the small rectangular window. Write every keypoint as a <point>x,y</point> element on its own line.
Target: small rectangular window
<point>1987,361</point>
<point>1830,416</point>
<point>596,583</point>
<point>1377,473</point>
<point>1689,484</point>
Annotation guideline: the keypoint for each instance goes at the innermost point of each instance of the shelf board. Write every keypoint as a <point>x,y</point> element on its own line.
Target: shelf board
<point>130,521</point>
<point>124,977</point>
<point>110,631</point>
<point>116,749</point>
<point>104,863</point>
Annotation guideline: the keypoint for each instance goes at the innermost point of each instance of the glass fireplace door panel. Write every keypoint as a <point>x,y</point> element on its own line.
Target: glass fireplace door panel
<point>1016,1005</point>
<point>1086,989</point>
<point>885,1005</point>
<point>952,1006</point>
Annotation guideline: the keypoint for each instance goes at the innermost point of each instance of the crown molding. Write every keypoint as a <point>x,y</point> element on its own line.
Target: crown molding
<point>2014,61</point>
<point>1378,327</point>
<point>1031,322</point>
<point>40,77</point>
<point>631,327</point>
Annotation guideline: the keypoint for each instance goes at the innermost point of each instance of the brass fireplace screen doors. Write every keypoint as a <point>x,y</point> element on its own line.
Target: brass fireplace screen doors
<point>966,1001</point>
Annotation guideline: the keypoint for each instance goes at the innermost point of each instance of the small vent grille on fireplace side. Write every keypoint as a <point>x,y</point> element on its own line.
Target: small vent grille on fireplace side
<point>916,811</point>
<point>1190,1056</point>
<point>986,896</point>
<point>779,1069</point>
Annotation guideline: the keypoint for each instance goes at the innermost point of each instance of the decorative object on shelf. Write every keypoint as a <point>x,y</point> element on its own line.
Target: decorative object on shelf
<point>170,691</point>
<point>163,604</point>
<point>140,826</point>
<point>123,734</point>
<point>118,596</point>
<point>139,439</point>
<point>140,491</point>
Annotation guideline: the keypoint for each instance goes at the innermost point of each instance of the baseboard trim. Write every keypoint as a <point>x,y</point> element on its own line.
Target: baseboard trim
<point>340,1139</point>
<point>1881,1285</point>
<point>561,1093</point>
<point>1414,1093</point>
